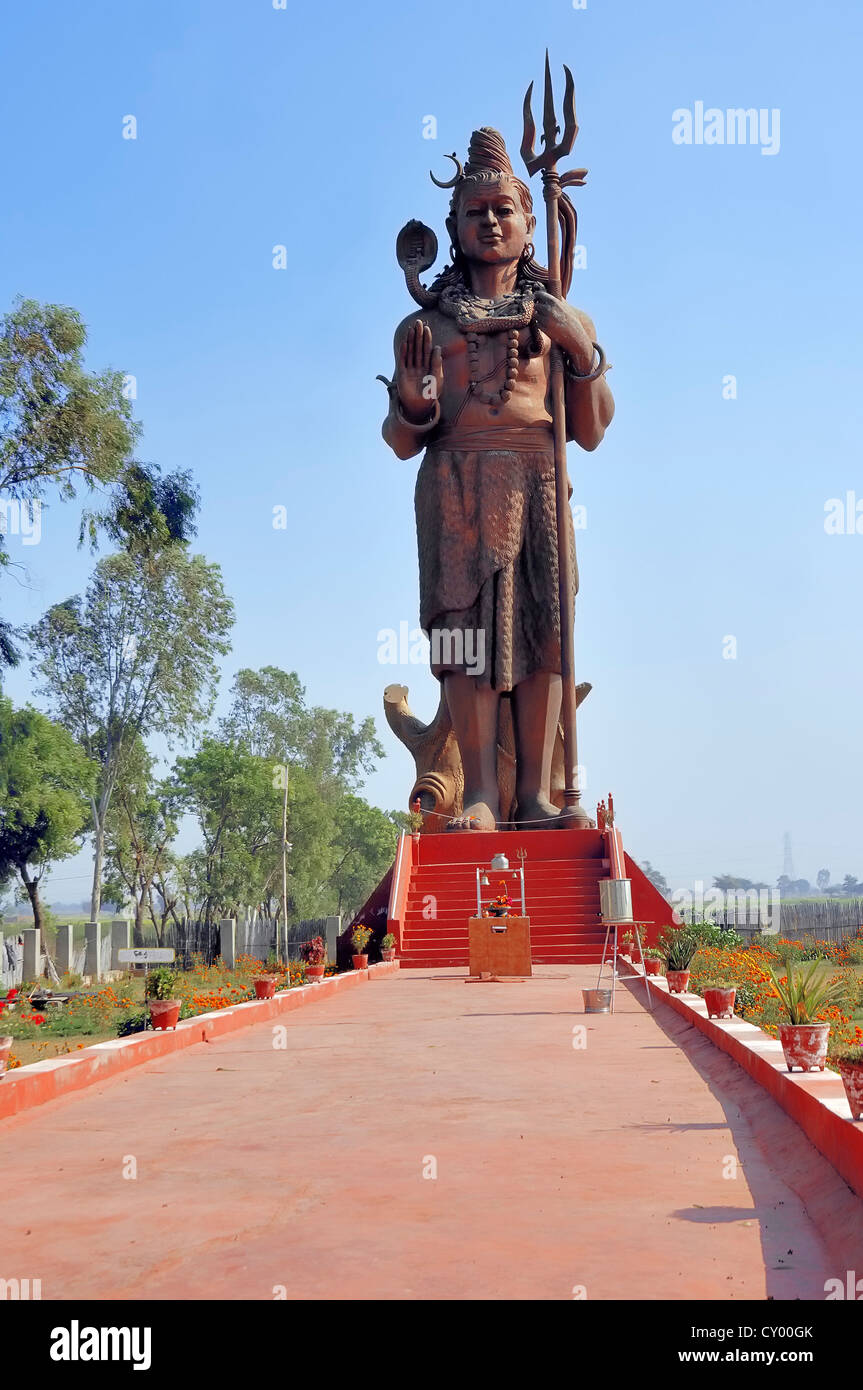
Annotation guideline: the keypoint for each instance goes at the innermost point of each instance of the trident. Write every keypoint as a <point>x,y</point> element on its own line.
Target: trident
<point>573,813</point>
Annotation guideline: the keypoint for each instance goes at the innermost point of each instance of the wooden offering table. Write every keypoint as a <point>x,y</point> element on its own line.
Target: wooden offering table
<point>499,946</point>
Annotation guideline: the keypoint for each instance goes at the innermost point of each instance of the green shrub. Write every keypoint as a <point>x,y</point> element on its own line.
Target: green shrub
<point>744,1001</point>
<point>133,1023</point>
<point>162,983</point>
<point>717,937</point>
<point>677,947</point>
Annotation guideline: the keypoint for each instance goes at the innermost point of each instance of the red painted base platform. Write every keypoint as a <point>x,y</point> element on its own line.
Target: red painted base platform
<point>429,895</point>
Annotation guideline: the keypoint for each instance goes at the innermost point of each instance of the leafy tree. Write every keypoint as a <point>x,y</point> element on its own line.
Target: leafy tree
<point>728,883</point>
<point>138,654</point>
<point>238,806</point>
<point>340,844</point>
<point>146,512</point>
<point>364,846</point>
<point>139,826</point>
<point>793,887</point>
<point>62,427</point>
<point>656,878</point>
<point>270,717</point>
<point>45,784</point>
<point>850,886</point>
<point>822,879</point>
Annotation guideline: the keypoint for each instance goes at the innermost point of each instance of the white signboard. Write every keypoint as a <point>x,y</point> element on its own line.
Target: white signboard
<point>146,955</point>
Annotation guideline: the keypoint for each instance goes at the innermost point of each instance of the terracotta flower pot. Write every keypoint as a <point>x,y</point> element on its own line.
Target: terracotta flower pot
<point>315,972</point>
<point>6,1042</point>
<point>265,986</point>
<point>165,1013</point>
<point>804,1045</point>
<point>852,1080</point>
<point>720,1002</point>
<point>361,962</point>
<point>652,965</point>
<point>388,953</point>
<point>677,981</point>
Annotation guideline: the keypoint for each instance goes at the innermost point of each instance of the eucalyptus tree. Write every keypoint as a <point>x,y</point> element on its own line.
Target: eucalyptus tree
<point>137,654</point>
<point>140,825</point>
<point>64,429</point>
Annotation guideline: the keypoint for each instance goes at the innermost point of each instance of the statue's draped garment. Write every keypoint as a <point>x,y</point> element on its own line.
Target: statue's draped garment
<point>487,537</point>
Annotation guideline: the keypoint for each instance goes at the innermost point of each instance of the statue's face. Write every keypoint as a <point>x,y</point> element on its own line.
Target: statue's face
<point>491,225</point>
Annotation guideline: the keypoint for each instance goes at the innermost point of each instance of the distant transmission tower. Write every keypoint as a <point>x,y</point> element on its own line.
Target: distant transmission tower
<point>787,857</point>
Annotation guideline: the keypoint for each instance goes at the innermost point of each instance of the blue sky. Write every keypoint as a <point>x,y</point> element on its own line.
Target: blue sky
<point>705,516</point>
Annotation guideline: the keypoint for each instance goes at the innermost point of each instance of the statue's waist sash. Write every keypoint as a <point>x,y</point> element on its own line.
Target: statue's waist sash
<point>525,439</point>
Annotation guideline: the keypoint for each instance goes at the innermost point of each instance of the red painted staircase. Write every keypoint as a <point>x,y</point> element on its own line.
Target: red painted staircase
<point>429,894</point>
<point>561,871</point>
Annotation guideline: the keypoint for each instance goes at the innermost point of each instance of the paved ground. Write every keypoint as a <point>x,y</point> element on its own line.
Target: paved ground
<point>558,1168</point>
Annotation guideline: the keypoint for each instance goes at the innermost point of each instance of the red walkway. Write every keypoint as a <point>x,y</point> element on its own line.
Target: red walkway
<point>557,1168</point>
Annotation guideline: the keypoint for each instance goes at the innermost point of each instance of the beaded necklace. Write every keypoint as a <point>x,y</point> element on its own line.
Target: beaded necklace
<point>474,316</point>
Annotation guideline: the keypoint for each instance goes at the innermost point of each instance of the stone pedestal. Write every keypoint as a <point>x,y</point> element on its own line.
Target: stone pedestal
<point>228,942</point>
<point>93,954</point>
<point>333,928</point>
<point>121,933</point>
<point>32,958</point>
<point>63,957</point>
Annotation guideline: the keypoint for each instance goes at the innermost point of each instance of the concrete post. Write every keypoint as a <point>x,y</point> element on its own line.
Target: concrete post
<point>228,942</point>
<point>333,929</point>
<point>121,934</point>
<point>64,949</point>
<point>93,955</point>
<point>32,962</point>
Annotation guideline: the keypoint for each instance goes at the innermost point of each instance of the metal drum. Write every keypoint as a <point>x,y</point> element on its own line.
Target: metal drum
<point>597,1001</point>
<point>615,899</point>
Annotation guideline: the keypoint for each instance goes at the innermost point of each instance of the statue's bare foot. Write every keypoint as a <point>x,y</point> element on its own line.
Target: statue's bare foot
<point>480,813</point>
<point>535,810</point>
<point>574,818</point>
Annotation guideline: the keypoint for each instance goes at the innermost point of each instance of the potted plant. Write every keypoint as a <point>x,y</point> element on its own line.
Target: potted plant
<point>360,936</point>
<point>265,985</point>
<point>388,947</point>
<point>6,1041</point>
<point>802,993</point>
<point>677,949</point>
<point>652,961</point>
<point>849,1063</point>
<point>415,819</point>
<point>315,956</point>
<point>719,996</point>
<point>163,1004</point>
<point>627,945</point>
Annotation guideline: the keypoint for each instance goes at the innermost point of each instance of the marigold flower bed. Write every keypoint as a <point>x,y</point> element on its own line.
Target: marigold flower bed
<point>757,1001</point>
<point>118,1009</point>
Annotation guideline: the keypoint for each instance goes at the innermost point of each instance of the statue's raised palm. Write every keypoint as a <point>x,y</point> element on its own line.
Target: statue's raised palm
<point>419,373</point>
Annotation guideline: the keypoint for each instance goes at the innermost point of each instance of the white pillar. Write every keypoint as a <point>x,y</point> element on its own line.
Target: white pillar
<point>92,956</point>
<point>121,932</point>
<point>228,942</point>
<point>63,951</point>
<point>32,964</point>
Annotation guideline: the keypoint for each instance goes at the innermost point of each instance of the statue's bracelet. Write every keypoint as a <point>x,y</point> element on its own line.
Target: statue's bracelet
<point>420,429</point>
<point>599,370</point>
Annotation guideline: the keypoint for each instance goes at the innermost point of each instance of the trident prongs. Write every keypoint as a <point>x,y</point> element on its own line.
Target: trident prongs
<point>552,152</point>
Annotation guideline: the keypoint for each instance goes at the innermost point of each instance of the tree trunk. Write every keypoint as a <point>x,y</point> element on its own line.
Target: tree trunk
<point>98,860</point>
<point>138,927</point>
<point>32,886</point>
